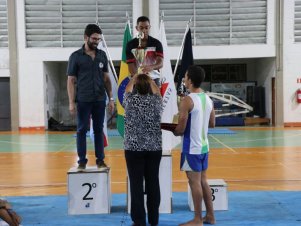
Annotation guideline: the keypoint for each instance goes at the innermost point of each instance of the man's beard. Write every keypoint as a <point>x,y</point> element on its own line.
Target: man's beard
<point>92,45</point>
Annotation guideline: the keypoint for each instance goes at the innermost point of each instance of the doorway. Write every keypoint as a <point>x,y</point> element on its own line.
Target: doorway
<point>5,118</point>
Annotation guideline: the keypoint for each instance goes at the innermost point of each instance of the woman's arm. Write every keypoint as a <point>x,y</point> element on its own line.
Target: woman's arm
<point>130,85</point>
<point>155,89</point>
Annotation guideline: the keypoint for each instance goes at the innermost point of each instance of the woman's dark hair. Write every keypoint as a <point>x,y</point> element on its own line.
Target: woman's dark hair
<point>91,29</point>
<point>143,84</point>
<point>196,74</point>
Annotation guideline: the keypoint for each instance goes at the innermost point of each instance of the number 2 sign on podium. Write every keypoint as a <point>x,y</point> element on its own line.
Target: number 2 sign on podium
<point>89,191</point>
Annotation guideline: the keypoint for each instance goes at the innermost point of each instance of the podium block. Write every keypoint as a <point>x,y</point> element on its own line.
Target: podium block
<point>165,180</point>
<point>219,195</point>
<point>3,223</point>
<point>89,191</point>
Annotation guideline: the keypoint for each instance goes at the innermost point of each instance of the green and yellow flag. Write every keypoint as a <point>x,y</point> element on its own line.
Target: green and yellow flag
<point>123,80</point>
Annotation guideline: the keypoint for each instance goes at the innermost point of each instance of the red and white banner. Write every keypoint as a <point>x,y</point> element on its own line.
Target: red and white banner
<point>169,96</point>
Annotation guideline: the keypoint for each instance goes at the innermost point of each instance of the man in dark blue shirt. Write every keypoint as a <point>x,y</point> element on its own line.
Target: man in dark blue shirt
<point>88,69</point>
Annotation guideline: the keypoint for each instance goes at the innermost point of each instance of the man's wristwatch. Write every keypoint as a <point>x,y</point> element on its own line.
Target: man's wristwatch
<point>111,99</point>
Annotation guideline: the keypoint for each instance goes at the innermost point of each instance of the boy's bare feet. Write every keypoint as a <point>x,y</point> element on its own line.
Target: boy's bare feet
<point>209,219</point>
<point>194,222</point>
<point>15,217</point>
<point>10,217</point>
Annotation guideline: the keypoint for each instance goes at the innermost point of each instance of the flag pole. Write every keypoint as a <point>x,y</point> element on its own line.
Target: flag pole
<point>110,59</point>
<point>128,21</point>
<point>161,18</point>
<point>182,47</point>
<point>169,94</point>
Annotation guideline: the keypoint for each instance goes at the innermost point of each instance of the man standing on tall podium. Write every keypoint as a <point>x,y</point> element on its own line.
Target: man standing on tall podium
<point>144,54</point>
<point>88,68</point>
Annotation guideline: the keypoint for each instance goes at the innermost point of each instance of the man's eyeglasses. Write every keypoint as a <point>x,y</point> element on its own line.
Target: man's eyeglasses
<point>96,39</point>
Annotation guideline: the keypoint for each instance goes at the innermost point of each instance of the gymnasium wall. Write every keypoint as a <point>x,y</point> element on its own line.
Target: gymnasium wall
<point>4,62</point>
<point>291,67</point>
<point>264,71</point>
<point>31,68</point>
<point>56,97</point>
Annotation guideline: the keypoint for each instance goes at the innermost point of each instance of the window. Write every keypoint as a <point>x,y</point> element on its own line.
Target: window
<point>3,23</point>
<point>237,72</point>
<point>61,23</point>
<point>216,22</point>
<point>226,72</point>
<point>219,73</point>
<point>297,26</point>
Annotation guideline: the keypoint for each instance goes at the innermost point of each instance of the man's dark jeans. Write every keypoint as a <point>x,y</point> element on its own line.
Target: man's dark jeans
<point>97,111</point>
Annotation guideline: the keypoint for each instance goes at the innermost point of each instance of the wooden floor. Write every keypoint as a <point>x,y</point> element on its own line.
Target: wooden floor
<point>253,159</point>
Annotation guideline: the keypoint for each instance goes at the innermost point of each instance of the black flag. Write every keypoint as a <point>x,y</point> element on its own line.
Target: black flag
<point>187,60</point>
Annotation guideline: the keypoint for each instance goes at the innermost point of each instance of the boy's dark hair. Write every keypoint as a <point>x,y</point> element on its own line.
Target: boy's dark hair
<point>196,74</point>
<point>142,19</point>
<point>143,84</point>
<point>91,29</point>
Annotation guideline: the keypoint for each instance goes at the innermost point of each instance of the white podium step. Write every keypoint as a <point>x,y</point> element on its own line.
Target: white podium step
<point>3,223</point>
<point>219,195</point>
<point>89,191</point>
<point>165,180</point>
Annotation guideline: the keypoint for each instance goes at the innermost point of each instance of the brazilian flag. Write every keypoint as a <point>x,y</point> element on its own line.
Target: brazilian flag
<point>123,80</point>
